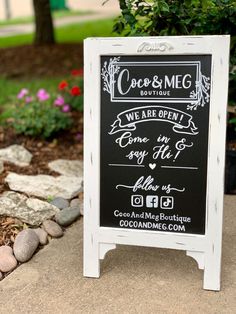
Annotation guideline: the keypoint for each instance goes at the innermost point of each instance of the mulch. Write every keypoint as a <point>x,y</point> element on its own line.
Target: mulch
<point>39,62</point>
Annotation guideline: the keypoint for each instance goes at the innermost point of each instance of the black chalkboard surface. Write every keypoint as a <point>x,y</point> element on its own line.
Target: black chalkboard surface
<point>154,142</point>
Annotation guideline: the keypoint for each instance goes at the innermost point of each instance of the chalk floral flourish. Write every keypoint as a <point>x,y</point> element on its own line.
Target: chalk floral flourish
<point>201,93</point>
<point>108,72</point>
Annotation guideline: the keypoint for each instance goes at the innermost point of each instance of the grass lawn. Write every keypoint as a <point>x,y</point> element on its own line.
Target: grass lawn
<point>74,33</point>
<point>56,15</point>
<point>67,34</point>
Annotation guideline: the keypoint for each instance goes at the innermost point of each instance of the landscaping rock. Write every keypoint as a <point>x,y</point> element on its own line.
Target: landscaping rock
<point>44,185</point>
<point>7,263</point>
<point>1,276</point>
<point>52,228</point>
<point>60,202</point>
<point>78,202</point>
<point>42,235</point>
<point>29,210</point>
<point>75,202</point>
<point>70,168</point>
<point>67,215</point>
<point>25,244</point>
<point>16,154</point>
<point>82,208</point>
<point>5,249</point>
<point>1,167</point>
<point>7,260</point>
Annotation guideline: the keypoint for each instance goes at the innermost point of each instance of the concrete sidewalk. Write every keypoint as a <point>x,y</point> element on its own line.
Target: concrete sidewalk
<point>133,279</point>
<point>21,29</point>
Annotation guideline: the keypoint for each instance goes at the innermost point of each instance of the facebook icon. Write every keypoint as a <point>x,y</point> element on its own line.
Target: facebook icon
<point>152,201</point>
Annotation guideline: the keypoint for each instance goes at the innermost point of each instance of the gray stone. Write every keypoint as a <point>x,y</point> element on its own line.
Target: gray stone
<point>26,242</point>
<point>42,235</point>
<point>45,186</point>
<point>52,228</point>
<point>60,202</point>
<point>1,167</point>
<point>78,202</point>
<point>75,202</point>
<point>1,276</point>
<point>16,154</point>
<point>67,215</point>
<point>71,168</point>
<point>29,210</point>
<point>82,208</point>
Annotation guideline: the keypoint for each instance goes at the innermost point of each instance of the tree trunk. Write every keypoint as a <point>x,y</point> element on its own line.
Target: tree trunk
<point>7,9</point>
<point>44,33</point>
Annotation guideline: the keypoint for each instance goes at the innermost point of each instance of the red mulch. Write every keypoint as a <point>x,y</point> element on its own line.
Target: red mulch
<point>38,61</point>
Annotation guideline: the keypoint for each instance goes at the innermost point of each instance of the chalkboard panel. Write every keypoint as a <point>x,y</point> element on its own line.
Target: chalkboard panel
<point>154,142</point>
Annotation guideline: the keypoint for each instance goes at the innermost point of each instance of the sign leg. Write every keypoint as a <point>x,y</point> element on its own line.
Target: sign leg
<point>91,256</point>
<point>212,269</point>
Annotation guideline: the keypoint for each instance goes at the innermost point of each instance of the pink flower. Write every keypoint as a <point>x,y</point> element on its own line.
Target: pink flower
<point>28,99</point>
<point>43,95</point>
<point>59,101</point>
<point>66,108</point>
<point>22,93</point>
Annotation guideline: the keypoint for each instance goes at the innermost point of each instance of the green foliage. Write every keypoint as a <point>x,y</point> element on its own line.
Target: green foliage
<point>160,17</point>
<point>45,112</point>
<point>181,17</point>
<point>39,119</point>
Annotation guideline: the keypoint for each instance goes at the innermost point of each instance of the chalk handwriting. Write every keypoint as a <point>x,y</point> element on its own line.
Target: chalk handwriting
<point>148,184</point>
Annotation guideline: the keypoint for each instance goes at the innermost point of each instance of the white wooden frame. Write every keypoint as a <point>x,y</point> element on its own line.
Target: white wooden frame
<point>205,249</point>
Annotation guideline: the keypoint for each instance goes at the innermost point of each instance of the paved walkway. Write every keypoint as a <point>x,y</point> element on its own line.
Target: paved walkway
<point>21,29</point>
<point>133,280</point>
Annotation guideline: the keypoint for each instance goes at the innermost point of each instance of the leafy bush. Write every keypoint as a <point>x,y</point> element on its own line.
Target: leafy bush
<point>43,115</point>
<point>181,17</point>
<point>38,116</point>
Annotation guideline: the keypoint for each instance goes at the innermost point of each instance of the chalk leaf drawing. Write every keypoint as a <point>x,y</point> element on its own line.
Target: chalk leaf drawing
<point>108,72</point>
<point>201,93</point>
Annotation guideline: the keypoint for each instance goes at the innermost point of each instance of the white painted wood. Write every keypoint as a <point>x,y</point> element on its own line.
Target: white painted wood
<point>205,249</point>
<point>216,163</point>
<point>104,248</point>
<point>152,238</point>
<point>91,163</point>
<point>199,257</point>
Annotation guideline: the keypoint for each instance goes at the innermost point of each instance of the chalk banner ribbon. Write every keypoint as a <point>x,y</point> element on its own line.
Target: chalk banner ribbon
<point>127,120</point>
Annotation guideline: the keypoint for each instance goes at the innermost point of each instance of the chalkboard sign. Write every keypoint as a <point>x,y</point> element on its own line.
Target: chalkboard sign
<point>154,142</point>
<point>154,147</point>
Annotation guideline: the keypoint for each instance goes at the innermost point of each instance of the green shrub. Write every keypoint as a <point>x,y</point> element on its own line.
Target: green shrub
<point>181,17</point>
<point>38,116</point>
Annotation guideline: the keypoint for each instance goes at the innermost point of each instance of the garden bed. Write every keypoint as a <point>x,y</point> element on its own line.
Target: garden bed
<point>40,61</point>
<point>28,63</point>
<point>65,146</point>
